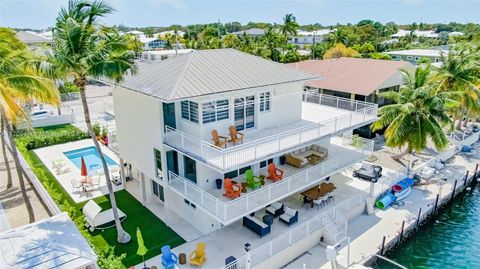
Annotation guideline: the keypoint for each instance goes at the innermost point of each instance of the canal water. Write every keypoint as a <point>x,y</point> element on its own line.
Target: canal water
<point>451,240</point>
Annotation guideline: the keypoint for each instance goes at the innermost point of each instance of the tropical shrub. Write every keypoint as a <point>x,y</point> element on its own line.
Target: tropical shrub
<point>39,138</point>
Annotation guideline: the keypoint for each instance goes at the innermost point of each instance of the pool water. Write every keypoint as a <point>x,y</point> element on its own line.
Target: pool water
<point>91,157</point>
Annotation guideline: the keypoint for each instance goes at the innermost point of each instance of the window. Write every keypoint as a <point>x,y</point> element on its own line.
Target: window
<point>214,111</point>
<point>242,171</point>
<point>158,163</point>
<point>157,190</point>
<point>232,174</point>
<point>437,60</point>
<point>264,101</point>
<point>190,111</point>
<point>409,57</point>
<point>192,205</point>
<point>416,58</point>
<point>265,163</point>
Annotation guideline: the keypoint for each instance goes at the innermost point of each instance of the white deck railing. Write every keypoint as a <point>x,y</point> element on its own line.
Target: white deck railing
<point>236,156</point>
<point>230,211</point>
<point>324,220</point>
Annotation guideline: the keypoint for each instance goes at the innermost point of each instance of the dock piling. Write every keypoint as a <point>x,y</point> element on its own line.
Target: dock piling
<point>418,219</point>
<point>383,245</point>
<point>401,233</point>
<point>465,179</point>
<point>436,204</point>
<point>454,189</point>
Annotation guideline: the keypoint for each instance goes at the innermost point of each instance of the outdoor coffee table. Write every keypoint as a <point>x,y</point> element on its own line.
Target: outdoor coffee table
<point>313,159</point>
<point>262,179</point>
<point>244,187</point>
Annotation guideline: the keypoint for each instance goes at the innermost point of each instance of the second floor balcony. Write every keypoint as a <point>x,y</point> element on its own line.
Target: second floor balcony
<point>322,116</point>
<point>343,152</point>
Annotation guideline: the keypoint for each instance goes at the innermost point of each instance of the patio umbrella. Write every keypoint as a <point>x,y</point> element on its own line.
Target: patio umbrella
<point>83,169</point>
<point>142,250</point>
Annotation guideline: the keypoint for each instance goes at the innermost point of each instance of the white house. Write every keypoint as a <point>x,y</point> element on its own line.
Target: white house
<point>309,37</point>
<point>165,116</point>
<point>50,243</point>
<point>415,55</point>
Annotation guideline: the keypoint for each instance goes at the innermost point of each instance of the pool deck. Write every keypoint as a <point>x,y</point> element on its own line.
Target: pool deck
<point>367,231</point>
<point>54,153</point>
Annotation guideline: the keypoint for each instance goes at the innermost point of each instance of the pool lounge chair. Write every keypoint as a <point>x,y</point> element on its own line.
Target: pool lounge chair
<point>97,219</point>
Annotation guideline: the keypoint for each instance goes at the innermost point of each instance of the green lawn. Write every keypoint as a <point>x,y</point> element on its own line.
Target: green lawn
<point>155,232</point>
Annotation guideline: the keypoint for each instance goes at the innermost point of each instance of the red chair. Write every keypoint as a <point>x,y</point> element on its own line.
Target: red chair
<point>274,173</point>
<point>231,189</point>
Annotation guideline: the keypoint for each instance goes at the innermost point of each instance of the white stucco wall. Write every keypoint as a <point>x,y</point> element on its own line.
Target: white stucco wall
<point>139,128</point>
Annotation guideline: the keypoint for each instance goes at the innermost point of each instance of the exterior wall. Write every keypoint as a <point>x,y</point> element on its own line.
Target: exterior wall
<point>139,129</point>
<point>413,58</point>
<point>277,115</point>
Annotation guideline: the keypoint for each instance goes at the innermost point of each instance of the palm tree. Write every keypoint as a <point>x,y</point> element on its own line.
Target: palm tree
<point>272,42</point>
<point>83,47</point>
<point>4,152</point>
<point>460,73</point>
<point>20,81</point>
<point>417,115</point>
<point>289,26</point>
<point>338,37</point>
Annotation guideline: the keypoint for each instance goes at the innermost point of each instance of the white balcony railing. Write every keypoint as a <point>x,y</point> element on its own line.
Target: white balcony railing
<point>359,114</point>
<point>227,212</point>
<point>325,220</point>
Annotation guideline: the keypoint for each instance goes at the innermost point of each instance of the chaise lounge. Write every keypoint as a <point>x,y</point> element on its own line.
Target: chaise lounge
<point>299,157</point>
<point>97,219</point>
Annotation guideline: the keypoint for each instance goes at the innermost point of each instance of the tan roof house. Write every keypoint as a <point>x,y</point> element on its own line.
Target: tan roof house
<point>355,78</point>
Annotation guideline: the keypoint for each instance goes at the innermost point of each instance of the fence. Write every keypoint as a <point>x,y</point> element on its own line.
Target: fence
<point>259,149</point>
<point>46,198</point>
<point>229,211</point>
<point>325,220</point>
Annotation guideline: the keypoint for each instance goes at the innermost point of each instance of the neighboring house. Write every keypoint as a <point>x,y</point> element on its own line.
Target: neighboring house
<point>33,39</point>
<point>151,43</point>
<point>415,55</point>
<point>136,33</point>
<point>417,33</point>
<point>51,243</point>
<point>170,32</point>
<point>355,78</point>
<point>309,37</point>
<point>165,116</point>
<point>158,55</point>
<point>254,32</point>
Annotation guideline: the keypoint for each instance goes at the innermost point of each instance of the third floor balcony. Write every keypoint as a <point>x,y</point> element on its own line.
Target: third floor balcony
<point>321,116</point>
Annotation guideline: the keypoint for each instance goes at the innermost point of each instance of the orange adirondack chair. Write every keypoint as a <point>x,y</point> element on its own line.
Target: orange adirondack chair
<point>231,190</point>
<point>218,140</point>
<point>274,173</point>
<point>235,136</point>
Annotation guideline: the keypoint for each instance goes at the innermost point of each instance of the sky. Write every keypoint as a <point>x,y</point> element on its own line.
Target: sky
<point>39,14</point>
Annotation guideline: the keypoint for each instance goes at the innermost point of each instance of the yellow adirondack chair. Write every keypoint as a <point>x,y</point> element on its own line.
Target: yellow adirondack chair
<point>198,256</point>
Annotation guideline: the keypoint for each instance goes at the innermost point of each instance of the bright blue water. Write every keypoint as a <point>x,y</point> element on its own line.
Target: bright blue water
<point>452,240</point>
<point>91,157</point>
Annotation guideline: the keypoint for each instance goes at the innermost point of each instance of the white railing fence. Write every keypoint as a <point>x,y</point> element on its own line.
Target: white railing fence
<point>325,220</point>
<point>259,149</point>
<point>229,211</point>
<point>42,192</point>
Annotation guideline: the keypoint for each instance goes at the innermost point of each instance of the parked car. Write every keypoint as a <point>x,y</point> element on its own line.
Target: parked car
<point>40,114</point>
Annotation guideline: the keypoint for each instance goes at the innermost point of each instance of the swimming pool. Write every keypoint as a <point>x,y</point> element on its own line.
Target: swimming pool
<point>91,157</point>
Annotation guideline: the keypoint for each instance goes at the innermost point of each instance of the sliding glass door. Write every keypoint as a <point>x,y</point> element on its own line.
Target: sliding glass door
<point>244,113</point>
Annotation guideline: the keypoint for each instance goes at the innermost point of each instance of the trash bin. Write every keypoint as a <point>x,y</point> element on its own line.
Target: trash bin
<point>218,182</point>
<point>282,160</point>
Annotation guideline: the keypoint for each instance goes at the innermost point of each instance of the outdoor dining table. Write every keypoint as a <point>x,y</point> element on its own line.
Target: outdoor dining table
<point>87,181</point>
<point>316,192</point>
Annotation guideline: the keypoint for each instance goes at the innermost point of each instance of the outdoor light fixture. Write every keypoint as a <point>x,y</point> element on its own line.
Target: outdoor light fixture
<point>247,247</point>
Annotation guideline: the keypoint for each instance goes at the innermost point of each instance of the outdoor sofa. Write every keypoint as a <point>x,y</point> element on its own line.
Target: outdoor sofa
<point>298,158</point>
<point>256,225</point>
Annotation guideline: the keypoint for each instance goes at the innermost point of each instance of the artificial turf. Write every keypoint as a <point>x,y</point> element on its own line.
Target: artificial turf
<point>155,232</point>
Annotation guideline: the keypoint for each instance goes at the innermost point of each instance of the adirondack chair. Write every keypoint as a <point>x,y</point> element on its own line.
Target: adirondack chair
<point>253,181</point>
<point>218,140</point>
<point>169,259</point>
<point>235,136</point>
<point>198,256</point>
<point>231,190</point>
<point>274,173</point>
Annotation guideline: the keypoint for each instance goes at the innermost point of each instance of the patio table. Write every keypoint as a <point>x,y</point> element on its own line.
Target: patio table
<point>318,191</point>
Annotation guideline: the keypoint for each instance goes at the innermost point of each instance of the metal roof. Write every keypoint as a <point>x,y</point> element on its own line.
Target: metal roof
<point>204,72</point>
<point>51,243</point>
<point>31,38</point>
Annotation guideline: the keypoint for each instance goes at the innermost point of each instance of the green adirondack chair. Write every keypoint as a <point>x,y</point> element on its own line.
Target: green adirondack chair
<point>253,181</point>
